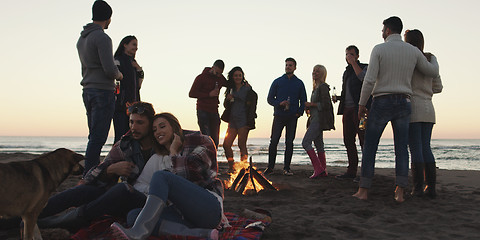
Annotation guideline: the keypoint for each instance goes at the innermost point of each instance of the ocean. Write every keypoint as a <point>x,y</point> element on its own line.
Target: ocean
<point>452,154</point>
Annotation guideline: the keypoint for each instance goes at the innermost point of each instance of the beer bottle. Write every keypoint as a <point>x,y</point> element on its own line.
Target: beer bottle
<point>287,107</point>
<point>363,123</point>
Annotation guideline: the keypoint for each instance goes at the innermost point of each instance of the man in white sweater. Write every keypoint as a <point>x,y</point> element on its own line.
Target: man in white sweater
<point>388,80</point>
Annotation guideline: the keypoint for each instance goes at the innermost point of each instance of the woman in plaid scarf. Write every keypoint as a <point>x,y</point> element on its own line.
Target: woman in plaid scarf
<point>185,197</point>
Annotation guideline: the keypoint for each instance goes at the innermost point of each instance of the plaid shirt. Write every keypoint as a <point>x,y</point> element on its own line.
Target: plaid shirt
<point>127,149</point>
<point>198,162</point>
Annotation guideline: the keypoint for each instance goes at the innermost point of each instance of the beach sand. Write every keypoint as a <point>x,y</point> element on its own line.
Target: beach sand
<point>324,208</point>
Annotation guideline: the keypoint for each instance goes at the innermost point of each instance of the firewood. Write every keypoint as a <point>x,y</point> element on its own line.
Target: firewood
<point>237,179</point>
<point>261,180</point>
<point>243,183</point>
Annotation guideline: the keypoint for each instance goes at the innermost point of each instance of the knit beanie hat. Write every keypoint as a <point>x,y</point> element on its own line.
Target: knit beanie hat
<point>101,11</point>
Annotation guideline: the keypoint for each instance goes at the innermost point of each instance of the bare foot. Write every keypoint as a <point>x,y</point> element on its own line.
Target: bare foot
<point>361,193</point>
<point>399,194</point>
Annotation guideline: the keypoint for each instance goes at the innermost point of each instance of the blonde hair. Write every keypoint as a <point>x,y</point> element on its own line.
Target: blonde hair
<point>323,75</point>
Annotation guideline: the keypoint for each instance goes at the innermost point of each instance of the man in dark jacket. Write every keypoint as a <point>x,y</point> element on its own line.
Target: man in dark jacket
<point>351,88</point>
<point>99,72</point>
<point>206,89</point>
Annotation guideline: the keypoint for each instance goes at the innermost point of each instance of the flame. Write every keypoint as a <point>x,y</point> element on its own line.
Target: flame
<point>252,181</point>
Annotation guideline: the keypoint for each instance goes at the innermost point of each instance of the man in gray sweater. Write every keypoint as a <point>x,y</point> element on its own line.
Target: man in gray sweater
<point>388,80</point>
<point>99,73</point>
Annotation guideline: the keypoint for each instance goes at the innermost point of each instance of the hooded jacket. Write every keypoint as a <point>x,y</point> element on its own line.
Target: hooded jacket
<point>96,55</point>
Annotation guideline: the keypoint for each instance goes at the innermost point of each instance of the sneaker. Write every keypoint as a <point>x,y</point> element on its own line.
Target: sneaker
<point>356,180</point>
<point>287,172</point>
<point>268,171</point>
<point>344,176</point>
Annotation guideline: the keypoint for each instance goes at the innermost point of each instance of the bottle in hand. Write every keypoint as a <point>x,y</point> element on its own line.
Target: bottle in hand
<point>287,107</point>
<point>363,123</point>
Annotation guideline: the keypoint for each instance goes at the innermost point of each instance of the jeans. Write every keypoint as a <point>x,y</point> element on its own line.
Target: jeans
<point>394,108</point>
<point>242,141</point>
<point>96,201</point>
<point>120,124</point>
<point>209,124</point>
<point>420,134</point>
<point>100,105</point>
<point>280,122</point>
<point>73,197</point>
<point>193,206</point>
<point>350,130</point>
<point>314,134</point>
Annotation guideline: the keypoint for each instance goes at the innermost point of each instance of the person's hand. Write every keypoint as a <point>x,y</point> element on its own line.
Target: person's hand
<point>428,56</point>
<point>350,59</point>
<point>214,93</point>
<point>136,66</point>
<point>176,145</point>
<point>123,168</point>
<point>309,104</point>
<point>334,99</point>
<point>119,76</point>
<point>284,103</point>
<point>229,97</point>
<point>362,111</point>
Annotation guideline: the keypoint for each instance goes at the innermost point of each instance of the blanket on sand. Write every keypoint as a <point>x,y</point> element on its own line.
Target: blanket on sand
<point>100,230</point>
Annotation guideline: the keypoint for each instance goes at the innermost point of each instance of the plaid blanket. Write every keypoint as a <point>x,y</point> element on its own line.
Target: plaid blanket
<point>100,230</point>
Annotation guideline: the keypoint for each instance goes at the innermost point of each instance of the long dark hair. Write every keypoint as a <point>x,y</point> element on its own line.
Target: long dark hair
<point>415,37</point>
<point>177,129</point>
<point>230,82</point>
<point>121,47</point>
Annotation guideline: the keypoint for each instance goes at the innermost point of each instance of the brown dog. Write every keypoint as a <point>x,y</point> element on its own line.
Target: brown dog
<point>26,186</point>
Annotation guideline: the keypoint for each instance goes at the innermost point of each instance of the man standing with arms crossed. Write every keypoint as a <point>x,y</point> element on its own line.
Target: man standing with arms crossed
<point>99,72</point>
<point>348,107</point>
<point>206,89</point>
<point>388,79</point>
<point>287,95</point>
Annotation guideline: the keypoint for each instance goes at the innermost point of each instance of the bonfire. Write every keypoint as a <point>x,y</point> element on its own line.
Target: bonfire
<point>247,180</point>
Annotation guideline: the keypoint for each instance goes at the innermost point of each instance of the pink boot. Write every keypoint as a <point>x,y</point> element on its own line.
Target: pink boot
<point>323,163</point>
<point>317,167</point>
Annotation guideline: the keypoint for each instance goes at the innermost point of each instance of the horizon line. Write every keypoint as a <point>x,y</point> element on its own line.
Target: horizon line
<point>58,136</point>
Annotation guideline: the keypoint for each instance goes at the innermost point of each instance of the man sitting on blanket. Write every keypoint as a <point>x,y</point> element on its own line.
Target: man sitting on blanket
<point>107,188</point>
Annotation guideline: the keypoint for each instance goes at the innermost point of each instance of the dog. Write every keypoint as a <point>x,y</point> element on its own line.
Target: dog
<point>25,187</point>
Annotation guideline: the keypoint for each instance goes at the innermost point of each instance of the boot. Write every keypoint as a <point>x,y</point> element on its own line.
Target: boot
<point>71,220</point>
<point>431,179</point>
<point>145,222</point>
<point>317,167</point>
<point>323,163</point>
<point>231,164</point>
<point>418,177</point>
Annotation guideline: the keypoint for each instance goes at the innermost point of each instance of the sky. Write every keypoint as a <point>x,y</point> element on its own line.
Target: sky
<point>40,71</point>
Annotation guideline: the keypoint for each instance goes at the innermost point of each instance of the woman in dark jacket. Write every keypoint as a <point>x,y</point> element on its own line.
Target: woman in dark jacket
<point>240,112</point>
<point>129,87</point>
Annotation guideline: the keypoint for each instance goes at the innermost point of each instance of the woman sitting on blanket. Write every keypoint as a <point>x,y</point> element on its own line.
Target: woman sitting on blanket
<point>184,195</point>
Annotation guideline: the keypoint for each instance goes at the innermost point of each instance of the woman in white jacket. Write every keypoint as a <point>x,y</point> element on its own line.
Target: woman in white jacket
<point>422,120</point>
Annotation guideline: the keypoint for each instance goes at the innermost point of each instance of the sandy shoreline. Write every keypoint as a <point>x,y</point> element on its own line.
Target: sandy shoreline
<point>324,208</point>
